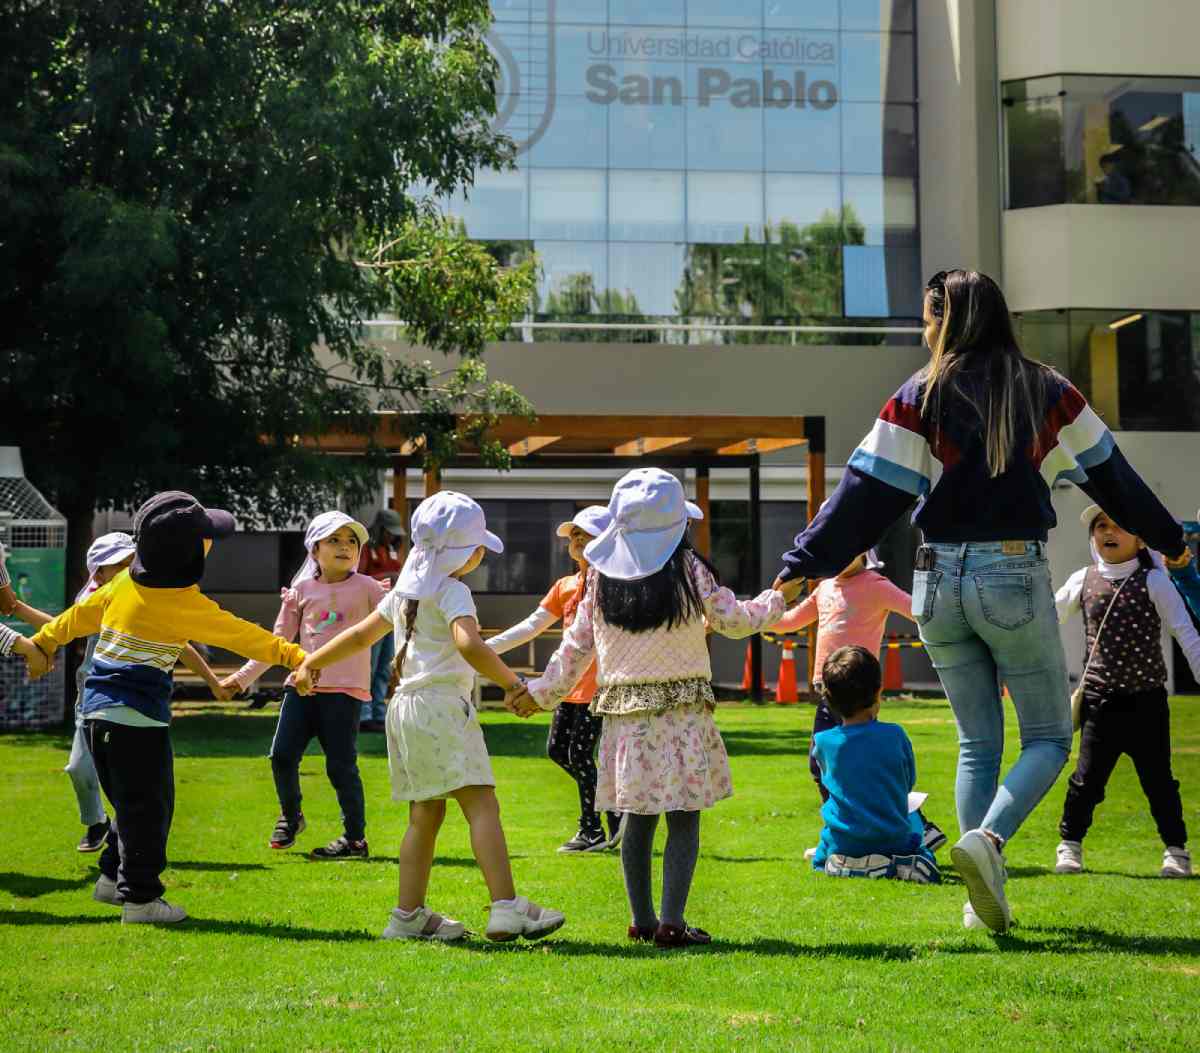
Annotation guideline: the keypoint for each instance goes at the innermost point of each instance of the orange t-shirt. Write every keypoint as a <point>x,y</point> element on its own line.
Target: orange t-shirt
<point>562,601</point>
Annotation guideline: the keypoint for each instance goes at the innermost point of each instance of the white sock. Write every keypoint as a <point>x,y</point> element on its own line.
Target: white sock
<point>407,915</point>
<point>504,902</point>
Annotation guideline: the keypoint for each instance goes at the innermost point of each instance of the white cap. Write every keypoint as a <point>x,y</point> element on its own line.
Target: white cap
<point>592,520</point>
<point>106,550</point>
<point>446,529</point>
<point>1088,516</point>
<point>325,525</point>
<point>649,518</point>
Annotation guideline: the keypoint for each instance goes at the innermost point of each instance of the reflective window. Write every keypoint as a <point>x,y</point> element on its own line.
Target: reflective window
<point>1102,140</point>
<point>568,203</point>
<point>646,206</point>
<point>724,206</point>
<point>574,277</point>
<point>879,138</point>
<point>725,136</point>
<point>646,279</point>
<point>534,557</point>
<point>883,210</point>
<point>1140,370</point>
<point>751,160</point>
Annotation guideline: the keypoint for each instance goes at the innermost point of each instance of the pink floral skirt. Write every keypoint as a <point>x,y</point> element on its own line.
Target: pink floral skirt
<point>652,763</point>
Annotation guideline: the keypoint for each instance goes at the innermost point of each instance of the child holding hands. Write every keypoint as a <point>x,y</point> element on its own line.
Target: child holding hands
<point>643,617</point>
<point>326,596</point>
<point>1126,599</point>
<point>435,744</point>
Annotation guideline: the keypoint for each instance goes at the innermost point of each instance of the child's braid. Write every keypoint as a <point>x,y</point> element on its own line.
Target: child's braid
<point>410,621</point>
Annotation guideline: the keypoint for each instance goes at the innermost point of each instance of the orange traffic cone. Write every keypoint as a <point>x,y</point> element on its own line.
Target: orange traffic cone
<point>893,669</point>
<point>785,690</point>
<point>747,670</point>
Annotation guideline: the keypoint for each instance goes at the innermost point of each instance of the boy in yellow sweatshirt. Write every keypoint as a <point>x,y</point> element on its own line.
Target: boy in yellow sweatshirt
<point>145,617</point>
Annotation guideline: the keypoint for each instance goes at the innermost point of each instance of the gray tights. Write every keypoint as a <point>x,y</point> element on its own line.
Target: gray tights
<point>679,864</point>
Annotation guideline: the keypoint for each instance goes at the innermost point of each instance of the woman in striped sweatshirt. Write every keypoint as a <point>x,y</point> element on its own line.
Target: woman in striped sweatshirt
<point>978,438</point>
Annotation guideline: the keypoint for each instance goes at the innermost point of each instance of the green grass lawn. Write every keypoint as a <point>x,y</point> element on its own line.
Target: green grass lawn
<point>282,953</point>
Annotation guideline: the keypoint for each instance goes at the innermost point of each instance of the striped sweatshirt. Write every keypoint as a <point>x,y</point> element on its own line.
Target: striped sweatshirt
<point>142,631</point>
<point>945,470</point>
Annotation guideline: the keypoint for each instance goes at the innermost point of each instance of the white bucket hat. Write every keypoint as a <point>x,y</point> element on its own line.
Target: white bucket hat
<point>592,520</point>
<point>649,518</point>
<point>325,525</point>
<point>446,529</point>
<point>106,550</point>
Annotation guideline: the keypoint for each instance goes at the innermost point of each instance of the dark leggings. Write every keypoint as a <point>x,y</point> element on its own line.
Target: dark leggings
<point>823,719</point>
<point>679,864</point>
<point>572,746</point>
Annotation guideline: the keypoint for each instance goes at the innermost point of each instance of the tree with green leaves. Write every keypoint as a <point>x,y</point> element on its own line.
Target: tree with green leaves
<point>200,204</point>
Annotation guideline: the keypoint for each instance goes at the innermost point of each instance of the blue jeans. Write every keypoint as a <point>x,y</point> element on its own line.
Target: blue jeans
<point>987,618</point>
<point>382,653</point>
<point>84,779</point>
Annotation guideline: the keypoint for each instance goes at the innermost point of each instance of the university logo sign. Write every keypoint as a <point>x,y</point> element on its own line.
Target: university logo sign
<point>657,67</point>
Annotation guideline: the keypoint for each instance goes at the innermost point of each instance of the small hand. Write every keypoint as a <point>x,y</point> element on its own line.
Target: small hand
<point>791,589</point>
<point>8,600</point>
<point>304,679</point>
<point>227,689</point>
<point>1180,561</point>
<point>37,662</point>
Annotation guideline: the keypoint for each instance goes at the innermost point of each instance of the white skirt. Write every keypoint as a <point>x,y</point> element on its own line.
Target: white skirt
<point>435,745</point>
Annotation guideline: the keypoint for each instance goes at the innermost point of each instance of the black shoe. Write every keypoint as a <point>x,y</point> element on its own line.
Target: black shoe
<point>286,831</point>
<point>586,841</point>
<point>94,838</point>
<point>342,848</point>
<point>616,828</point>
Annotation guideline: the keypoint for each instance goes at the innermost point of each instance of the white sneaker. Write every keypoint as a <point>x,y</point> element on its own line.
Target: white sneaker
<point>423,925</point>
<point>106,892</point>
<point>982,868</point>
<point>520,917</point>
<point>156,912</point>
<point>1068,857</point>
<point>1177,862</point>
<point>971,920</point>
<point>810,852</point>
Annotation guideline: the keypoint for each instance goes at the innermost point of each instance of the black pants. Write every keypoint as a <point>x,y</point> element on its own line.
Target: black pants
<point>333,720</point>
<point>1138,724</point>
<point>823,720</point>
<point>136,767</point>
<point>574,732</point>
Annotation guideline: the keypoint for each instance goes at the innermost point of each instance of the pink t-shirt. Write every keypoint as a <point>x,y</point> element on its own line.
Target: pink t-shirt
<point>848,612</point>
<point>318,611</point>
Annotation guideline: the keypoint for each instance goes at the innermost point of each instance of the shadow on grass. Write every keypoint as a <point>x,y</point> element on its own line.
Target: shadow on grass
<point>30,886</point>
<point>208,865</point>
<point>781,743</point>
<point>465,862</point>
<point>1085,939</point>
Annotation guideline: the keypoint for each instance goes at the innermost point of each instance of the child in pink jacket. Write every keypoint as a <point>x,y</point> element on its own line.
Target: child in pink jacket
<point>850,610</point>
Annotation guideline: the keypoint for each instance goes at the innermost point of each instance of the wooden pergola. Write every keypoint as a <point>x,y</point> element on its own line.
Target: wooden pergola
<point>624,441</point>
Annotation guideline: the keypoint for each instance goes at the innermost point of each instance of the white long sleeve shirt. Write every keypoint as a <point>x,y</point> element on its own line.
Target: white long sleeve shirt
<point>1167,601</point>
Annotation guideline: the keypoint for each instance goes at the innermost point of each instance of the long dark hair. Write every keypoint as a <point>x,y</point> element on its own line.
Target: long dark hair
<point>668,597</point>
<point>975,332</point>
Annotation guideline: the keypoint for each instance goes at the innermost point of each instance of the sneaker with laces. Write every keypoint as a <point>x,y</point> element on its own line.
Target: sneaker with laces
<point>1177,862</point>
<point>423,924</point>
<point>286,831</point>
<point>1068,857</point>
<point>982,868</point>
<point>522,917</point>
<point>156,912</point>
<point>934,837</point>
<point>106,892</point>
<point>810,852</point>
<point>94,837</point>
<point>585,841</point>
<point>342,848</point>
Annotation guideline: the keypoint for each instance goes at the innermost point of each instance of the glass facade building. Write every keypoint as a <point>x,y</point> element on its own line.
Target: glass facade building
<point>1102,140</point>
<point>750,162</point>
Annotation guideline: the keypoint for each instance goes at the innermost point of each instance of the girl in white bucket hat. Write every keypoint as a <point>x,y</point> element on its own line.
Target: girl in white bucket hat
<point>435,744</point>
<point>575,729</point>
<point>326,595</point>
<point>643,617</point>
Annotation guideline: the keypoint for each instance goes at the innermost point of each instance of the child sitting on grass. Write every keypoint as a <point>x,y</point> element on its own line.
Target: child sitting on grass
<point>868,769</point>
